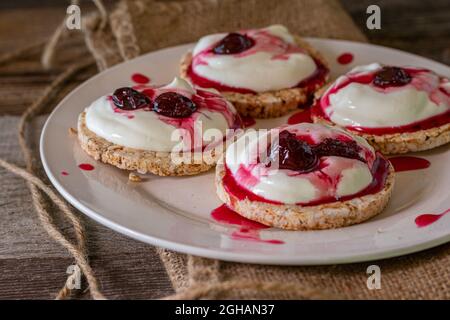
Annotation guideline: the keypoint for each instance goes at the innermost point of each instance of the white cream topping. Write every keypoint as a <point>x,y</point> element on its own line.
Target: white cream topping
<point>258,71</point>
<point>353,179</point>
<point>180,84</point>
<point>143,129</point>
<point>287,186</point>
<point>367,106</point>
<point>366,68</point>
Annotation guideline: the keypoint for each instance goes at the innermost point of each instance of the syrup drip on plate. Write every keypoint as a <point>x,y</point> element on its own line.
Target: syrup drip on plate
<point>86,167</point>
<point>248,229</point>
<point>407,163</point>
<point>301,116</point>
<point>426,219</point>
<point>140,78</point>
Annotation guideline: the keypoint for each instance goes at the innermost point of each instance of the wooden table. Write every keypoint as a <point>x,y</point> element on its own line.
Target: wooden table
<point>33,266</point>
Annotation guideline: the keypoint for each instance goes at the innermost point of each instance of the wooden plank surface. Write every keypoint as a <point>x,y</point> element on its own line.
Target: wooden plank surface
<point>31,264</point>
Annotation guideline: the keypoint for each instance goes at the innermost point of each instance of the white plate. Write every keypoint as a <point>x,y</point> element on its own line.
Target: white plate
<point>175,212</point>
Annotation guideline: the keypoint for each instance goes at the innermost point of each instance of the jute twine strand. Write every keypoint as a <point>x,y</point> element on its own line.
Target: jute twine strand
<point>29,49</point>
<point>48,54</point>
<point>50,47</point>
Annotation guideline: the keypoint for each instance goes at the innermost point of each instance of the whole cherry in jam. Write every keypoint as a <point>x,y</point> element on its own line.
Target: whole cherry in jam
<point>391,77</point>
<point>297,155</point>
<point>338,148</point>
<point>174,105</point>
<point>129,99</point>
<point>293,154</point>
<point>233,43</point>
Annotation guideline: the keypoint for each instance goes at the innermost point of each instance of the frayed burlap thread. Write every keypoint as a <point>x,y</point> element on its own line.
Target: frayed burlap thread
<point>101,41</point>
<point>205,282</point>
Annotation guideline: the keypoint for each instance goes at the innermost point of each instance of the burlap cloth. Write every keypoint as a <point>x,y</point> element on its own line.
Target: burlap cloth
<point>136,27</point>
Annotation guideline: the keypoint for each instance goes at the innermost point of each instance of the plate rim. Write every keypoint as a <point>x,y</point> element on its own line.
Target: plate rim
<point>213,253</point>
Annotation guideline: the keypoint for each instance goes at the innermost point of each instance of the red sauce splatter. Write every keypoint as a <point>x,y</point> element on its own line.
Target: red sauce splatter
<point>428,218</point>
<point>301,116</point>
<point>248,229</point>
<point>248,121</point>
<point>140,78</point>
<point>86,167</point>
<point>345,58</point>
<point>406,163</point>
<point>64,173</point>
